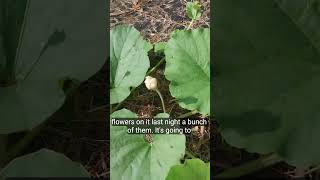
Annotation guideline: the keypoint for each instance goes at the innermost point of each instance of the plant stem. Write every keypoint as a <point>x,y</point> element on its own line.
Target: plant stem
<point>250,167</point>
<point>116,108</point>
<point>156,66</point>
<point>188,114</point>
<point>191,23</point>
<point>190,155</point>
<point>3,149</point>
<point>162,101</point>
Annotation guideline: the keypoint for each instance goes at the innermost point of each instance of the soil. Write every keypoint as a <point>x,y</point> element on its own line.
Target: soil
<point>156,19</point>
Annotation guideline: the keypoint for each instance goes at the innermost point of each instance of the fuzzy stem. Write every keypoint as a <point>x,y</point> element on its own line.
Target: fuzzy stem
<point>191,23</point>
<point>250,167</point>
<point>162,101</point>
<point>156,66</point>
<point>189,154</point>
<point>112,110</point>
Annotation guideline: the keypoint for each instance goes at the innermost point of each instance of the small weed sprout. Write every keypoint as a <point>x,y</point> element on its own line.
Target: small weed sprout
<point>193,10</point>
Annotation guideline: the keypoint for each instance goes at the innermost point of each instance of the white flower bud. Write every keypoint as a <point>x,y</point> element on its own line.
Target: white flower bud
<point>151,83</point>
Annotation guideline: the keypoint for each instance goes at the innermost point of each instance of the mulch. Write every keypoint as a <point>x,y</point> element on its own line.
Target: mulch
<point>156,19</point>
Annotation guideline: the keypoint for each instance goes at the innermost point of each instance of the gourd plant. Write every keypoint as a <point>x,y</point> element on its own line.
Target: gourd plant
<point>43,43</point>
<point>267,70</point>
<point>187,57</point>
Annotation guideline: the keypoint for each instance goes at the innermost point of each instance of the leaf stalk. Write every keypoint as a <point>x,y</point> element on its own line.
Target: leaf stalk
<point>190,24</point>
<point>162,101</point>
<point>189,154</point>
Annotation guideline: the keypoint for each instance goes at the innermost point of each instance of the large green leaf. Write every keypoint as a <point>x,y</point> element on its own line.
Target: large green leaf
<point>188,68</point>
<point>132,157</point>
<point>129,61</point>
<point>43,163</point>
<point>59,40</point>
<point>267,76</point>
<point>191,169</point>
